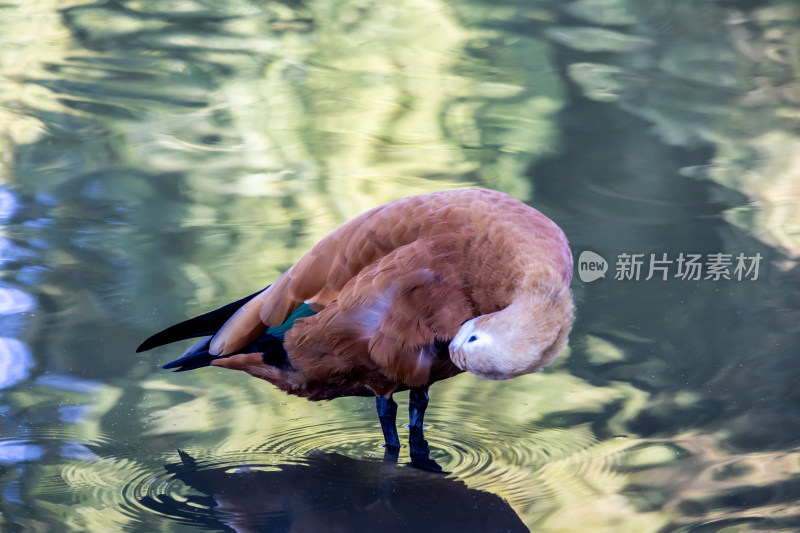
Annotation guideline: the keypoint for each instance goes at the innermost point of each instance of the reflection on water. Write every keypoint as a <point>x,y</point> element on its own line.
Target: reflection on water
<point>324,492</point>
<point>197,149</point>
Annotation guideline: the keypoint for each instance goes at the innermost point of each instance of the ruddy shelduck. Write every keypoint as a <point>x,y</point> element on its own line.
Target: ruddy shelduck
<point>407,294</point>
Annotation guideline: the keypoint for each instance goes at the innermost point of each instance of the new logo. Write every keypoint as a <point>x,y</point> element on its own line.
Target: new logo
<point>591,266</point>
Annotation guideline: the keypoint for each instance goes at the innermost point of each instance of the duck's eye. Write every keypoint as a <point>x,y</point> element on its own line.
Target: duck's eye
<point>473,338</point>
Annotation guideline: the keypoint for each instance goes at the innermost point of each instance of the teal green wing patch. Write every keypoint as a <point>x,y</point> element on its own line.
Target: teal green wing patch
<point>301,312</point>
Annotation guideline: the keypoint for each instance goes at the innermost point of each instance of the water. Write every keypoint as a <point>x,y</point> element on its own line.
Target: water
<point>162,158</point>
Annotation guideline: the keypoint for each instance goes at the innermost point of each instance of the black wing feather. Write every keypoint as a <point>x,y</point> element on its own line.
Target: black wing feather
<point>195,357</point>
<point>199,326</point>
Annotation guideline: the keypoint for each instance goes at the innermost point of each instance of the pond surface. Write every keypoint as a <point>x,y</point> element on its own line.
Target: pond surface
<point>161,158</point>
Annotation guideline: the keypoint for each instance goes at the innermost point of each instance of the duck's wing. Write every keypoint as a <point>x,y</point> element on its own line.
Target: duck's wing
<point>319,276</point>
<point>199,326</point>
<point>389,317</point>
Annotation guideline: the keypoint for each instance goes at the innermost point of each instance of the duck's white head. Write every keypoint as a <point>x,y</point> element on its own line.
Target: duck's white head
<point>524,337</point>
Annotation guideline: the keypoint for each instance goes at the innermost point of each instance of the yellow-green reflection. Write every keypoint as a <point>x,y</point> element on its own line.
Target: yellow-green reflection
<point>166,157</point>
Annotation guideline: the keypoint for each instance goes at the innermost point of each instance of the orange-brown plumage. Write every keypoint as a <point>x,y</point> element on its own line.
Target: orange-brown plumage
<point>398,284</point>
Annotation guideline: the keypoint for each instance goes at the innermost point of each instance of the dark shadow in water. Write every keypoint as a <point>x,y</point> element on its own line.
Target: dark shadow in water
<point>331,492</point>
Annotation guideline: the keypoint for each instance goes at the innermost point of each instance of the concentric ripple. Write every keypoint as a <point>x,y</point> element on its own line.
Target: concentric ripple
<point>115,491</point>
<point>188,489</point>
<point>349,437</point>
<point>310,469</point>
<point>262,458</point>
<point>266,492</point>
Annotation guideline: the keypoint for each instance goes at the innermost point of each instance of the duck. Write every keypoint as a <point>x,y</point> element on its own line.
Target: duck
<point>405,295</point>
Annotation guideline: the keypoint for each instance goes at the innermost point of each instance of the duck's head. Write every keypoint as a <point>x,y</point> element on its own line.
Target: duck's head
<point>524,337</point>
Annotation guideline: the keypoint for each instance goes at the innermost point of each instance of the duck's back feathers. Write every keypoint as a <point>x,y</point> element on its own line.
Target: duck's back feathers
<point>447,219</point>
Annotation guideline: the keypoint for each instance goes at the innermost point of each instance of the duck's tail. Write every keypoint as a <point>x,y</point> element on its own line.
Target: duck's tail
<point>197,356</point>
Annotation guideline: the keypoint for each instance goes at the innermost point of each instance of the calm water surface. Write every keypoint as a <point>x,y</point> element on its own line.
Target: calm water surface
<point>158,159</point>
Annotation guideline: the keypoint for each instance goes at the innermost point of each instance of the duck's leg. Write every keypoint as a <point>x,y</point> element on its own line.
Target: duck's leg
<point>417,403</point>
<point>387,414</point>
<point>419,451</point>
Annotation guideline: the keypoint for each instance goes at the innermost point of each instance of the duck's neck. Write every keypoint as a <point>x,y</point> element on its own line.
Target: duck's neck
<point>521,338</point>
